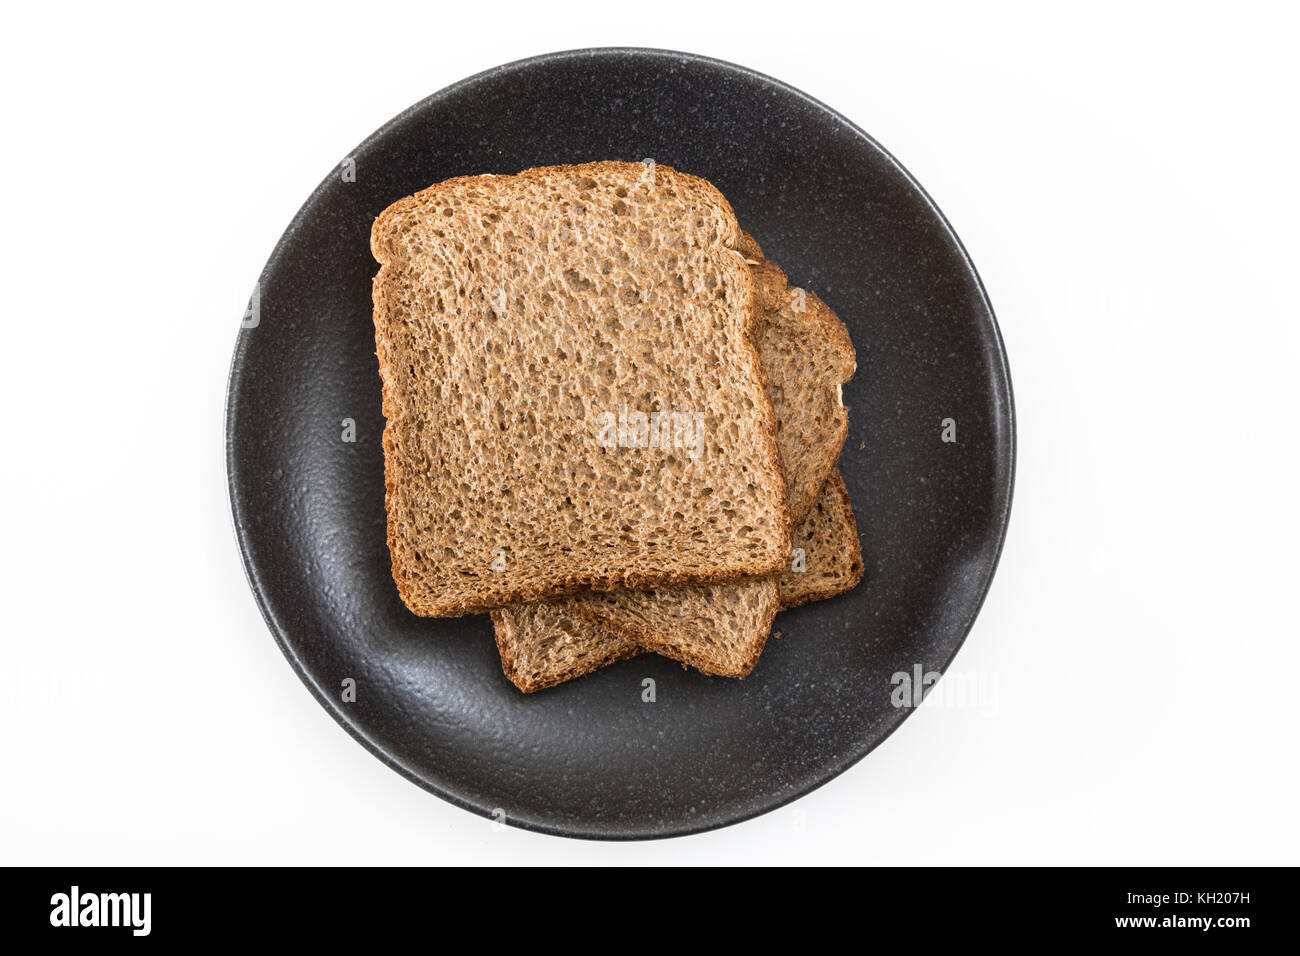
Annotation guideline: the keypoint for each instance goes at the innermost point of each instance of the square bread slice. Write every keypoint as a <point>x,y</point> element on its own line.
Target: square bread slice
<point>542,646</point>
<point>572,391</point>
<point>807,356</point>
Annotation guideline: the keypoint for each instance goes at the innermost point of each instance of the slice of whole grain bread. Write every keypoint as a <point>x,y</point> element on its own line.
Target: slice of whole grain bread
<point>541,645</point>
<point>827,541</point>
<point>527,328</point>
<point>807,356</point>
<point>718,629</point>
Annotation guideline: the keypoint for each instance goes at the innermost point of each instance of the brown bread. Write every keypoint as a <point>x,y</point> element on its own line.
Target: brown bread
<point>807,356</point>
<point>832,553</point>
<point>515,318</point>
<point>541,645</point>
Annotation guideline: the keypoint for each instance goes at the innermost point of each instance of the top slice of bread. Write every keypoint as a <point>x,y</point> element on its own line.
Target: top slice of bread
<point>528,328</point>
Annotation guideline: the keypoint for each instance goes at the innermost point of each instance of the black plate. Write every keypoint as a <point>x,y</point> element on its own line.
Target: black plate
<point>590,758</point>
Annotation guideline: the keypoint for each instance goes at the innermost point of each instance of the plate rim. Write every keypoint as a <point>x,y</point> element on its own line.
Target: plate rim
<point>824,774</point>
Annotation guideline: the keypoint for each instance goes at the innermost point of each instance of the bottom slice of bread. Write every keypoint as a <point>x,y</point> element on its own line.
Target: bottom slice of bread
<point>828,538</point>
<point>541,646</point>
<point>717,629</point>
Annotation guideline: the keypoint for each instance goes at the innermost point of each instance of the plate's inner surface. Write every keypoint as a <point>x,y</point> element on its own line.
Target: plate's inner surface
<point>593,757</point>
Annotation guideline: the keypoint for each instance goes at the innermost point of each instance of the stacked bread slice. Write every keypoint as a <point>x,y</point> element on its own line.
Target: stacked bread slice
<point>610,421</point>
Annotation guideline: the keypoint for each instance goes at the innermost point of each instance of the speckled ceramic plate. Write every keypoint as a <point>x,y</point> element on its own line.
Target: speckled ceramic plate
<point>590,758</point>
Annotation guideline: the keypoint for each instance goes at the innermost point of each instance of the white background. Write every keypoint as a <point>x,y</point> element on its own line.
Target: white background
<point>1126,184</point>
